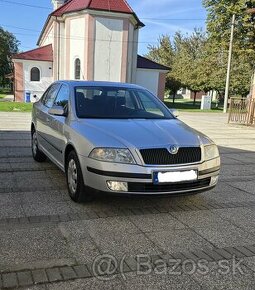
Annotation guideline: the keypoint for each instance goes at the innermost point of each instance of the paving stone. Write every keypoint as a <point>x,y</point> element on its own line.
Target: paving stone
<point>39,276</point>
<point>203,255</point>
<point>200,219</point>
<point>214,254</point>
<point>136,211</point>
<point>54,275</point>
<point>130,244</point>
<point>89,283</point>
<point>178,256</point>
<point>251,248</point>
<point>178,240</point>
<point>156,222</point>
<point>226,235</point>
<point>68,273</point>
<point>224,253</point>
<point>30,244</point>
<point>9,280</point>
<point>235,252</point>
<point>132,263</point>
<point>25,278</point>
<point>218,277</point>
<point>191,256</point>
<point>159,281</point>
<point>245,251</point>
<point>82,271</point>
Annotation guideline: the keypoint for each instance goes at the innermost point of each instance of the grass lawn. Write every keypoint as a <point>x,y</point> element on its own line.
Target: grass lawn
<point>181,105</point>
<point>15,107</point>
<point>187,105</point>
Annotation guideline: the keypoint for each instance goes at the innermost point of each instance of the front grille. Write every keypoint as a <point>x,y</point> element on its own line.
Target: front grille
<point>161,156</point>
<point>150,187</point>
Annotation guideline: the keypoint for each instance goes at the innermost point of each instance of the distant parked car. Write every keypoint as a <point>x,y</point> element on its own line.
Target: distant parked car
<point>120,138</point>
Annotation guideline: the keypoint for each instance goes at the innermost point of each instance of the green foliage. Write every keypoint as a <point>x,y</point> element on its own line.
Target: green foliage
<point>188,67</point>
<point>8,46</point>
<point>199,63</point>
<point>219,19</point>
<point>164,53</point>
<point>184,56</point>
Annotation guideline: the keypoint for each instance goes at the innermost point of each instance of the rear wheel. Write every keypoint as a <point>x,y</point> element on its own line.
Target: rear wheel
<point>38,155</point>
<point>78,191</point>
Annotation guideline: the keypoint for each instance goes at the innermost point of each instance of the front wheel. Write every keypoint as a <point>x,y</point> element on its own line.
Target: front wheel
<point>76,187</point>
<point>38,155</point>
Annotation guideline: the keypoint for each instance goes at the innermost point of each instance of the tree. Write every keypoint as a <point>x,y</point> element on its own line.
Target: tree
<point>8,46</point>
<point>188,67</point>
<point>164,53</point>
<point>220,13</point>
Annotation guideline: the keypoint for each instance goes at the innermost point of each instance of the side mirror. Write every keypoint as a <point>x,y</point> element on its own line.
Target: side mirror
<point>57,111</point>
<point>175,112</point>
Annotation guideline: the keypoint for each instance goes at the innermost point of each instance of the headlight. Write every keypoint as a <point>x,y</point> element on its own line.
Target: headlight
<point>211,152</point>
<point>112,155</point>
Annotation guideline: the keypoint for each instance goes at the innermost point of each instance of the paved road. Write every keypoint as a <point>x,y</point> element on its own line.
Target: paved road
<point>49,242</point>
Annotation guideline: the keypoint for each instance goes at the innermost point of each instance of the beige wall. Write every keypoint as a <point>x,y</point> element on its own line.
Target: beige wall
<point>106,43</point>
<point>108,49</point>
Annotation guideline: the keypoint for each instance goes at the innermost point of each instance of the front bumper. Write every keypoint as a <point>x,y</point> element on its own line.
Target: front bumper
<point>140,178</point>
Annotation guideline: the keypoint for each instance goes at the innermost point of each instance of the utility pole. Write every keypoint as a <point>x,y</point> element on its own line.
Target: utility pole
<point>229,64</point>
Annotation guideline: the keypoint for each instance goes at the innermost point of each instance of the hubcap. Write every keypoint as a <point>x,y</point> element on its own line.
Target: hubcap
<point>34,143</point>
<point>72,176</point>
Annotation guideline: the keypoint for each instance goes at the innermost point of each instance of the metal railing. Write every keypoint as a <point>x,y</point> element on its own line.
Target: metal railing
<point>242,111</point>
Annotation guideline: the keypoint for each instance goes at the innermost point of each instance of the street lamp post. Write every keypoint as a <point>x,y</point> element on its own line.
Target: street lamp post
<point>229,64</point>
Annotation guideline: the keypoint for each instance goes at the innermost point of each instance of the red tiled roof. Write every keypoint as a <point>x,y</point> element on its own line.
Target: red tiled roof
<point>146,63</point>
<point>44,53</point>
<point>107,5</point>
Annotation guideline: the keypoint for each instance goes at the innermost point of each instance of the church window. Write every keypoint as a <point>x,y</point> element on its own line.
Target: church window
<point>35,74</point>
<point>77,69</point>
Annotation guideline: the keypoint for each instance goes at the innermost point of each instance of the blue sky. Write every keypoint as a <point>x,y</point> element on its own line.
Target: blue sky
<point>160,17</point>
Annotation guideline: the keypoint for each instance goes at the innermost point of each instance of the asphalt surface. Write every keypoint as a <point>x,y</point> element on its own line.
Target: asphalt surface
<point>204,241</point>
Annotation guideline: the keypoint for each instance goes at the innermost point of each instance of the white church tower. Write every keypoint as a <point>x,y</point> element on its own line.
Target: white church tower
<point>94,40</point>
<point>57,3</point>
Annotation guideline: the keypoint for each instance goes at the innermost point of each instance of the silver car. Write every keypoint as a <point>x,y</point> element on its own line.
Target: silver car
<point>120,138</point>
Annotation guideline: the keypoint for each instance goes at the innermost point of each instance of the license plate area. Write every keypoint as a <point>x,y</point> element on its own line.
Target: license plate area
<point>175,176</point>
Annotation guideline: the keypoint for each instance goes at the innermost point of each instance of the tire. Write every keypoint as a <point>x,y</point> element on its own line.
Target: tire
<point>78,191</point>
<point>38,155</point>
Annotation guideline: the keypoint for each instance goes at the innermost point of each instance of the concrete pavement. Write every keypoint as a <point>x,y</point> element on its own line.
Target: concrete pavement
<point>193,242</point>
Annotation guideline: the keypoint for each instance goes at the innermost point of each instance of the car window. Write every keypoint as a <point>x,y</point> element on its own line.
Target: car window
<point>118,103</point>
<point>62,97</point>
<point>148,104</point>
<point>44,96</point>
<point>51,95</point>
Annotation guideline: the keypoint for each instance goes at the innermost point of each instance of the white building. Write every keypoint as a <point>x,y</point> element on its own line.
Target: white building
<point>87,40</point>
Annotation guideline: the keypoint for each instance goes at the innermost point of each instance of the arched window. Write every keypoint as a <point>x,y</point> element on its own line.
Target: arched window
<point>77,69</point>
<point>35,74</point>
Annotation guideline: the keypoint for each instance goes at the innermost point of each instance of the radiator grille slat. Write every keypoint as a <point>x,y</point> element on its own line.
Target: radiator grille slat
<point>150,187</point>
<point>161,156</point>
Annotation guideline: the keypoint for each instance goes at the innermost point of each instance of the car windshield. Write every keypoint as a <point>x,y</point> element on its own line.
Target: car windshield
<point>118,103</point>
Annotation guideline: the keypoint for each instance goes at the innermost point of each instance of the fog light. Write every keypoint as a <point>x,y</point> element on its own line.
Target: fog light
<point>214,180</point>
<point>117,185</point>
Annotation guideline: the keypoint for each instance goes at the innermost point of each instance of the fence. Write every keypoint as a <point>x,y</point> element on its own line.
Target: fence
<point>242,111</point>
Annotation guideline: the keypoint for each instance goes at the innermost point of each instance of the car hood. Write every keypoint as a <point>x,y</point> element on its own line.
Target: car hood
<point>140,133</point>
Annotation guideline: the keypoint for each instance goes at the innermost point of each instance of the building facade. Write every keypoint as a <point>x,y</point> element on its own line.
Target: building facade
<point>87,40</point>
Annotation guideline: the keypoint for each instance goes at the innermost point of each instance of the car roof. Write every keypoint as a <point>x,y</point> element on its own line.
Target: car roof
<point>99,84</point>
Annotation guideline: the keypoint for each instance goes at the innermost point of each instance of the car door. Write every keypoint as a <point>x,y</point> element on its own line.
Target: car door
<point>43,118</point>
<point>57,124</point>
